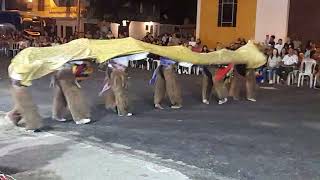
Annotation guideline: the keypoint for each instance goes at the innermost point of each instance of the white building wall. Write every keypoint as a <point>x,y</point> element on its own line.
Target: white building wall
<point>64,24</point>
<point>138,30</point>
<point>272,18</point>
<point>114,28</point>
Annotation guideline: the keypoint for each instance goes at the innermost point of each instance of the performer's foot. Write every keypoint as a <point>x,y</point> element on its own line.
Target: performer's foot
<point>205,101</point>
<point>176,106</point>
<point>59,119</point>
<point>33,130</point>
<point>222,101</point>
<point>83,121</point>
<point>271,82</point>
<point>13,120</point>
<point>158,106</point>
<point>128,115</point>
<point>252,99</point>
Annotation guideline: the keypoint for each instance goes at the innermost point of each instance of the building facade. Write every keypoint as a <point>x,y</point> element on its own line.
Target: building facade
<point>63,12</point>
<point>227,20</point>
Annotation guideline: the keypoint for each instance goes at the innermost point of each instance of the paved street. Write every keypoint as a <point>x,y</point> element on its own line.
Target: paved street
<point>275,138</point>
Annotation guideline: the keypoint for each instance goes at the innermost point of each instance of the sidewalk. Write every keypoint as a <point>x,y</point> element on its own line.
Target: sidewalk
<point>33,156</point>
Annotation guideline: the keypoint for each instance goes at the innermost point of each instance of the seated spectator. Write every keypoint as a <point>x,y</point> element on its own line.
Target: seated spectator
<point>272,65</point>
<point>283,53</point>
<point>297,43</point>
<point>110,35</point>
<point>279,46</point>
<point>174,41</point>
<point>192,42</point>
<point>88,35</point>
<point>288,64</point>
<point>309,47</point>
<point>289,43</point>
<point>312,57</point>
<point>272,43</point>
<point>205,49</point>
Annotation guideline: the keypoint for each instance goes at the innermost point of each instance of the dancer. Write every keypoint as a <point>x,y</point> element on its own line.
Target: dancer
<point>243,77</point>
<point>24,108</point>
<point>116,86</point>
<point>213,81</point>
<point>68,94</point>
<point>165,81</point>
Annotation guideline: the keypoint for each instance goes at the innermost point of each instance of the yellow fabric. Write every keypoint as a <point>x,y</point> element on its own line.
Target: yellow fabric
<point>33,63</point>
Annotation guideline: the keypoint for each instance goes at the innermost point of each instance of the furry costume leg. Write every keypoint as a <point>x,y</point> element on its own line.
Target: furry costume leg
<point>207,85</point>
<point>250,84</point>
<point>119,88</point>
<point>221,89</point>
<point>172,86</point>
<point>14,116</point>
<point>59,103</point>
<point>235,87</point>
<point>110,100</point>
<point>160,87</point>
<point>25,106</point>
<point>76,102</point>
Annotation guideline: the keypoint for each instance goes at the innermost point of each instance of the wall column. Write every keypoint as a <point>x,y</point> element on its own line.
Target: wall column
<point>198,19</point>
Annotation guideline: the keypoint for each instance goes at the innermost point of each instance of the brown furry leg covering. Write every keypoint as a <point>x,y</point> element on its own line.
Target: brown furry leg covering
<point>25,106</point>
<point>250,84</point>
<point>207,85</point>
<point>77,103</point>
<point>160,88</point>
<point>221,89</point>
<point>119,88</point>
<point>59,103</point>
<point>172,86</point>
<point>235,88</point>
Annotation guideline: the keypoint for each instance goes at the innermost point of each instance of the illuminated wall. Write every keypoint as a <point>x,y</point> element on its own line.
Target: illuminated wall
<point>209,31</point>
<point>272,18</point>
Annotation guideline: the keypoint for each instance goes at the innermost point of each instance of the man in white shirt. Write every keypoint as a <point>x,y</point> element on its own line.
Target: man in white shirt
<point>279,46</point>
<point>288,64</point>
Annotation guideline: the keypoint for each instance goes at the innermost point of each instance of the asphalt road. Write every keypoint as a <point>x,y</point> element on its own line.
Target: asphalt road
<point>276,137</point>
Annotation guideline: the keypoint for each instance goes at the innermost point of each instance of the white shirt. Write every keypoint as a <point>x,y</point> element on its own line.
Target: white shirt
<point>290,60</point>
<point>279,47</point>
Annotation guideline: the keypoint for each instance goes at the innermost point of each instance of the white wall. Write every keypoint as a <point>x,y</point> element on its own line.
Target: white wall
<point>198,19</point>
<point>138,30</point>
<point>272,18</point>
<point>114,28</point>
<point>64,24</point>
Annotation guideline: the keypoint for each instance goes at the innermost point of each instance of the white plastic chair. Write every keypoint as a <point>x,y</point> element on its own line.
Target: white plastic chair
<point>14,47</point>
<point>152,64</point>
<point>306,70</point>
<point>186,68</point>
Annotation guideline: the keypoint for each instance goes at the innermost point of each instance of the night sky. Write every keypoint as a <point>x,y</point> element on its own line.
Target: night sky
<point>176,10</point>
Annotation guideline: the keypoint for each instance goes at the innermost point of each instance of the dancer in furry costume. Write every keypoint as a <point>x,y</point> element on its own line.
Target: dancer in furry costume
<point>243,80</point>
<point>24,108</point>
<point>67,92</point>
<point>165,81</point>
<point>213,81</point>
<point>116,87</point>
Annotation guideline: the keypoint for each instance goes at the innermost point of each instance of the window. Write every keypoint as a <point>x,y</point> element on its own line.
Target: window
<point>41,5</point>
<point>227,16</point>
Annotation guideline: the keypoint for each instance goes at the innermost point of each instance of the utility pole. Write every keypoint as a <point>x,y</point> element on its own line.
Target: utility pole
<point>3,5</point>
<point>78,16</point>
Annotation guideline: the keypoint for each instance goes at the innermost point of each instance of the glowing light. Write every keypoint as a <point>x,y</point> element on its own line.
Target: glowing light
<point>124,23</point>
